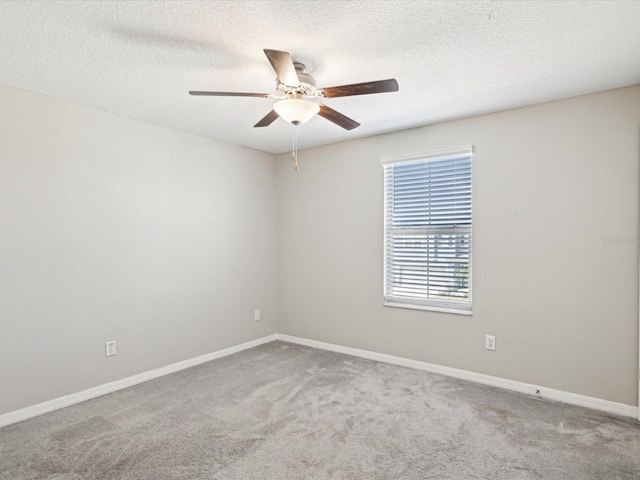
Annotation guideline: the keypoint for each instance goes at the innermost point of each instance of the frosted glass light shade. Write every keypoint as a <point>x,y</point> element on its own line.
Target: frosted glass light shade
<point>296,110</point>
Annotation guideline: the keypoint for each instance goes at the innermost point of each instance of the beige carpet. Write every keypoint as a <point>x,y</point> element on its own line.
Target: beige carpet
<point>281,411</point>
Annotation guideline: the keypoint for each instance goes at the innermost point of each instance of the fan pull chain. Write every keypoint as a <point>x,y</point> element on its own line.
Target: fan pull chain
<point>294,153</point>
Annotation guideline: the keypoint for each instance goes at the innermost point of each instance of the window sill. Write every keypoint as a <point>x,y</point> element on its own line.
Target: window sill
<point>426,307</point>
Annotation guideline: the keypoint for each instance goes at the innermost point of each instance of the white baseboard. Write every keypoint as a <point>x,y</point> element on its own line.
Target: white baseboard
<point>543,392</point>
<point>72,399</point>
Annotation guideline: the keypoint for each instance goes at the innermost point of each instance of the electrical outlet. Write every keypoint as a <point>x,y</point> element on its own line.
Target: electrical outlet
<point>256,315</point>
<point>490,342</point>
<point>110,348</point>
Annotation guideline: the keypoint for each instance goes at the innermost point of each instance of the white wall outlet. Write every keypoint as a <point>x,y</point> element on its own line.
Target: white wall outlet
<point>110,348</point>
<point>256,315</point>
<point>490,342</point>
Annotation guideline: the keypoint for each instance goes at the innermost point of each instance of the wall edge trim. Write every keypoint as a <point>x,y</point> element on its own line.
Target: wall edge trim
<point>100,390</point>
<point>521,387</point>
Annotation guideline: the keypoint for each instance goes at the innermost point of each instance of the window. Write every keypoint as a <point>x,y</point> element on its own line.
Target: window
<point>427,230</point>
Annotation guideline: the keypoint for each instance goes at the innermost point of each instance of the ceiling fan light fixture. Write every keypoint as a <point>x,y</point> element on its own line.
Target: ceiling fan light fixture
<point>296,110</point>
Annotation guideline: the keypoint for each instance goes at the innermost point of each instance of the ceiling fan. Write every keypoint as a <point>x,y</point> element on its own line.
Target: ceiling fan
<point>295,87</point>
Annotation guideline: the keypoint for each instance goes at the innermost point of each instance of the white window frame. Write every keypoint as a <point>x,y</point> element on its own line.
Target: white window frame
<point>429,304</point>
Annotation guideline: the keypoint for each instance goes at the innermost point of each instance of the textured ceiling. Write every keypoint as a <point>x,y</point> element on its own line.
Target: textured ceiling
<point>452,59</point>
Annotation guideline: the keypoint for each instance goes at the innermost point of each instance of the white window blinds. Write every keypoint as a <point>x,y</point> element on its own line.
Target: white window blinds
<point>428,230</point>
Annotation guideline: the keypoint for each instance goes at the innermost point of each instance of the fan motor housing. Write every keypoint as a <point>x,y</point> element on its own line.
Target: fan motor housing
<point>306,87</point>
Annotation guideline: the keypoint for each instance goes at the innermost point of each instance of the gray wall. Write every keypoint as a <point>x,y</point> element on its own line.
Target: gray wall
<point>114,229</point>
<point>551,183</point>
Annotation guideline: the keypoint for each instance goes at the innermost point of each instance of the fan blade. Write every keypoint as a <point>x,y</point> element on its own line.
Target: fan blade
<point>268,119</point>
<point>230,94</point>
<point>283,65</point>
<point>381,86</point>
<point>337,118</point>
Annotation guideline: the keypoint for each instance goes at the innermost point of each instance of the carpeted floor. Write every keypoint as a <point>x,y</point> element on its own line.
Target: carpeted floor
<point>282,411</point>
